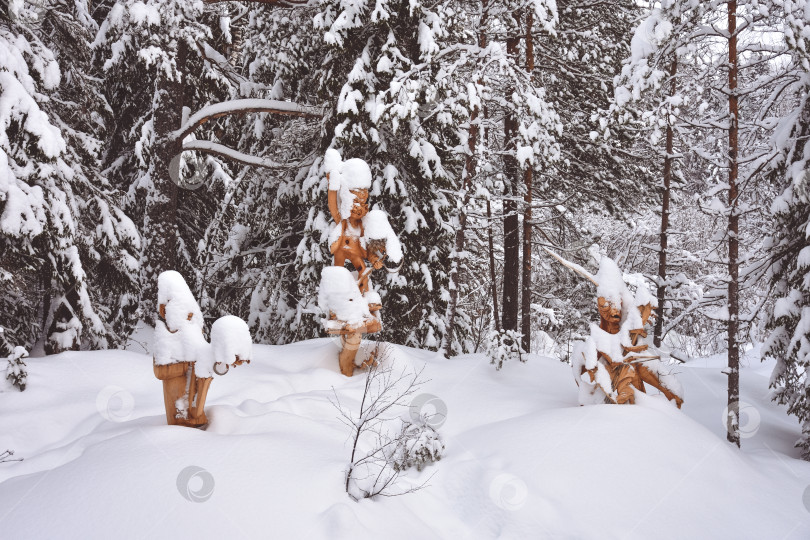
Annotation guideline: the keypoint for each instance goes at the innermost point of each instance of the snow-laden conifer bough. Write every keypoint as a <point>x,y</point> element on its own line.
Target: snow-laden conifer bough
<point>358,235</point>
<point>183,359</point>
<point>616,360</point>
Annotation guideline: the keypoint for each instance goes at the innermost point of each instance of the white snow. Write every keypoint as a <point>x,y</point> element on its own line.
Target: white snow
<point>521,459</point>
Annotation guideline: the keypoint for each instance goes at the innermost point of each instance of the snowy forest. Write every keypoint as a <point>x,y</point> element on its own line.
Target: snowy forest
<point>514,145</point>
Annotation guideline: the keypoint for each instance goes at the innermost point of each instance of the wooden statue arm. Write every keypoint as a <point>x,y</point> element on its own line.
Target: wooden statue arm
<point>333,205</point>
<point>652,379</point>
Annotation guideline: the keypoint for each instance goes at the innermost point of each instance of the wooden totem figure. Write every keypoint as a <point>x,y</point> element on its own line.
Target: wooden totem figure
<point>615,360</point>
<point>357,236</point>
<point>183,359</point>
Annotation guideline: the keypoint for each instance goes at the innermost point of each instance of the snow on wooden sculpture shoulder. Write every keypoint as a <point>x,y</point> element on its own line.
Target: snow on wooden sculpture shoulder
<point>615,360</point>
<point>358,235</point>
<point>183,359</point>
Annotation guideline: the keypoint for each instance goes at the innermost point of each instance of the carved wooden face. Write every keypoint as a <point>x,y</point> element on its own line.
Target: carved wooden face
<point>360,207</point>
<point>609,311</point>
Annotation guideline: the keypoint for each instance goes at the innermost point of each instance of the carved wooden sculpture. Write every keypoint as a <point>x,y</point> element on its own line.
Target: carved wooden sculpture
<point>359,235</point>
<point>183,359</point>
<point>614,360</point>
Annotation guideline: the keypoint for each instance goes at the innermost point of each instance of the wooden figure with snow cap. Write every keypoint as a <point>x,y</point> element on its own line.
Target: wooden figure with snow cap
<point>358,235</point>
<point>183,359</point>
<point>615,361</point>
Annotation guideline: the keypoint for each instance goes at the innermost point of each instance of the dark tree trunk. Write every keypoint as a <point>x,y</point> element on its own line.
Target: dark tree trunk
<point>160,219</point>
<point>526,295</point>
<point>511,224</point>
<point>733,231</point>
<point>495,310</point>
<point>665,199</point>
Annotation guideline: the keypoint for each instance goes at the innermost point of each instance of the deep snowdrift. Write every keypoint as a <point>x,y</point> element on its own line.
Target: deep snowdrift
<point>522,460</point>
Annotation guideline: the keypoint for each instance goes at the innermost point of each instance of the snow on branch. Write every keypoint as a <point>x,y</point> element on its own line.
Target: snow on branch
<point>243,106</point>
<point>223,151</point>
<point>282,3</point>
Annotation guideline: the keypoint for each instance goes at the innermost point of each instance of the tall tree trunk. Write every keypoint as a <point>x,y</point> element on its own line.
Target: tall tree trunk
<point>469,171</point>
<point>526,294</point>
<point>495,310</point>
<point>511,223</point>
<point>733,420</point>
<point>665,199</point>
<point>159,251</point>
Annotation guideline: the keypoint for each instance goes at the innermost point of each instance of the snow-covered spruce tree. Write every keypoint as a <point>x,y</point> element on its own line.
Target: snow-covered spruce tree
<point>45,247</point>
<point>389,107</point>
<point>789,248</point>
<point>155,57</point>
<point>108,240</point>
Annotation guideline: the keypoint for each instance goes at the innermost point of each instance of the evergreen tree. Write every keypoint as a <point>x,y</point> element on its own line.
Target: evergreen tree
<point>788,247</point>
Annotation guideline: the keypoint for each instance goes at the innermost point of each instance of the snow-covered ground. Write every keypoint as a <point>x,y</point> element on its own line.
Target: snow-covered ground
<point>522,460</point>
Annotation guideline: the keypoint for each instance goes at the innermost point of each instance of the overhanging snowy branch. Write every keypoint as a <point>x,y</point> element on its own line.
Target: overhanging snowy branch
<point>282,3</point>
<point>223,151</point>
<point>243,106</point>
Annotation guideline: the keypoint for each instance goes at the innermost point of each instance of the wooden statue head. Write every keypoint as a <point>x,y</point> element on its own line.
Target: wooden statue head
<point>360,206</point>
<point>610,315</point>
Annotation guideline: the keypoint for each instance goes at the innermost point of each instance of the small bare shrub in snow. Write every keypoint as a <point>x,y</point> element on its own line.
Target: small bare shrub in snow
<point>6,456</point>
<point>503,345</point>
<point>376,460</point>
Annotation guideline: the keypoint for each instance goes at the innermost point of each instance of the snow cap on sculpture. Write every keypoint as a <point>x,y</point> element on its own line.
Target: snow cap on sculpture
<point>345,177</point>
<point>177,301</point>
<point>610,282</point>
<point>377,227</point>
<point>338,294</point>
<point>230,338</point>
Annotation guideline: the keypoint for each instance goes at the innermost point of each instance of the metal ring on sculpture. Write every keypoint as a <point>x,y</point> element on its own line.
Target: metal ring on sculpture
<point>227,367</point>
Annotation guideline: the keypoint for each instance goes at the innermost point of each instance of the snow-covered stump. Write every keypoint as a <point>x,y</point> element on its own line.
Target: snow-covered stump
<point>183,360</point>
<point>358,235</point>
